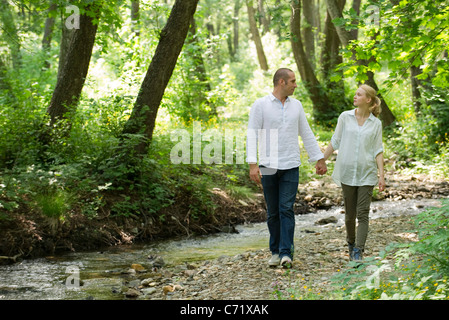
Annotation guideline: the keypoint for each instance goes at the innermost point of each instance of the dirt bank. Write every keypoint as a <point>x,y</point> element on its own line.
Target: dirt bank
<point>28,234</point>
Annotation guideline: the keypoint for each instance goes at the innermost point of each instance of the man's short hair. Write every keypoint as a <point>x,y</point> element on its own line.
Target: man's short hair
<point>282,73</point>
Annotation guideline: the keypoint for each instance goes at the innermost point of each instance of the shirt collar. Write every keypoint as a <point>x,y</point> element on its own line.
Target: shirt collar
<point>371,116</point>
<point>272,98</point>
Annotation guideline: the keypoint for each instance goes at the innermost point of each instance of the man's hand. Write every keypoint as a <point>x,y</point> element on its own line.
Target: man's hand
<point>254,173</point>
<point>321,167</point>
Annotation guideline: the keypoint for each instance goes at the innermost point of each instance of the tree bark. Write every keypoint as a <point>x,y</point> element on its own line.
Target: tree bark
<point>256,36</point>
<point>308,32</point>
<point>236,25</point>
<point>48,33</point>
<point>330,55</point>
<point>74,71</point>
<point>321,104</point>
<point>143,118</point>
<point>264,18</point>
<point>416,94</point>
<point>345,36</point>
<point>135,16</point>
<point>9,27</point>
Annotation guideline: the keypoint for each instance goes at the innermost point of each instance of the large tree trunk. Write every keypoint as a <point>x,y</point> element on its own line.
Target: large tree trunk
<point>330,55</point>
<point>321,104</point>
<point>172,37</point>
<point>346,36</point>
<point>73,72</point>
<point>256,36</point>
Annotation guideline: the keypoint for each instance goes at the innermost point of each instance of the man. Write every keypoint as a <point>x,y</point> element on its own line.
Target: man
<point>275,121</point>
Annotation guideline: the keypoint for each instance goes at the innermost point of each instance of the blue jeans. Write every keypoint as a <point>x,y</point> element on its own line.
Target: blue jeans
<point>280,188</point>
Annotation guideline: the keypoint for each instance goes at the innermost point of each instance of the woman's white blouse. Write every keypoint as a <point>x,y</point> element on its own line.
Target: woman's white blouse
<point>357,148</point>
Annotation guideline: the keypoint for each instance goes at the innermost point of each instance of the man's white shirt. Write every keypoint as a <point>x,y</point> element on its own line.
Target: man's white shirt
<point>273,131</point>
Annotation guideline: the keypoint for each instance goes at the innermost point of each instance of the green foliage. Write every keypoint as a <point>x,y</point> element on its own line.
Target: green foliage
<point>433,232</point>
<point>418,270</point>
<point>421,142</point>
<point>93,171</point>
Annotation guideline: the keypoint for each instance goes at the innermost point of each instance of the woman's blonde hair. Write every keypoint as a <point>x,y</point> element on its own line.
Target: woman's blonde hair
<point>375,108</point>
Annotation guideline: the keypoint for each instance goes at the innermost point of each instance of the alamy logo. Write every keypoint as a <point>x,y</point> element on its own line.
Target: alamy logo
<point>73,280</point>
<point>73,21</point>
<point>373,16</point>
<point>198,147</point>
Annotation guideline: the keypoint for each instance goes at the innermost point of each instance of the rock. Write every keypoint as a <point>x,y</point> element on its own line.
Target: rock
<point>167,289</point>
<point>190,273</point>
<point>137,267</point>
<point>156,261</point>
<point>134,284</point>
<point>132,293</point>
<point>327,220</point>
<point>149,291</point>
<point>130,271</point>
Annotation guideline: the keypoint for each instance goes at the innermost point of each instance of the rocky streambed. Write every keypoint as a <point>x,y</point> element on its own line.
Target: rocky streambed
<point>228,265</point>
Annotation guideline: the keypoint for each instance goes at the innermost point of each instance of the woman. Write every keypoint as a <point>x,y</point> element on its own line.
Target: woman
<point>358,139</point>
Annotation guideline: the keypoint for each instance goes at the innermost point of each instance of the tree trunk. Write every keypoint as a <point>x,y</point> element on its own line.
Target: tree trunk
<point>345,36</point>
<point>321,104</point>
<point>172,37</point>
<point>416,94</point>
<point>308,7</point>
<point>199,72</point>
<point>135,16</point>
<point>48,33</point>
<point>263,17</point>
<point>10,29</point>
<point>330,55</point>
<point>74,71</point>
<point>256,36</point>
<point>356,8</point>
<point>235,21</point>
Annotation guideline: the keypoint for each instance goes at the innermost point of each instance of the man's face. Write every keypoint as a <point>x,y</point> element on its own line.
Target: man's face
<point>290,85</point>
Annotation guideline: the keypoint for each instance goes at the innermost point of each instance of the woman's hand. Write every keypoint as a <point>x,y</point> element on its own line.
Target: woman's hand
<point>321,167</point>
<point>381,184</point>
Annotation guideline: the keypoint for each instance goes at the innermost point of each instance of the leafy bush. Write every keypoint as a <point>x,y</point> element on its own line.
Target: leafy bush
<point>419,270</point>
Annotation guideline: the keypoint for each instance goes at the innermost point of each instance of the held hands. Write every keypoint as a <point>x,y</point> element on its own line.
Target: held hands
<point>321,167</point>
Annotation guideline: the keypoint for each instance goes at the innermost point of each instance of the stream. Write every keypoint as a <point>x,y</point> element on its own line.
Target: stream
<point>101,273</point>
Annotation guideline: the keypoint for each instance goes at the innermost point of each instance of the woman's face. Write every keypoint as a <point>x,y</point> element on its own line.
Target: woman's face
<point>360,98</point>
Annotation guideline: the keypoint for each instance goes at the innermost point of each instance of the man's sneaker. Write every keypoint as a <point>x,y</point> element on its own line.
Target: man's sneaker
<point>274,261</point>
<point>286,262</point>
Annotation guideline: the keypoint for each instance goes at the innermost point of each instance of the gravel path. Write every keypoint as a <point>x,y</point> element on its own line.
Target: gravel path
<point>319,256</point>
<point>320,253</point>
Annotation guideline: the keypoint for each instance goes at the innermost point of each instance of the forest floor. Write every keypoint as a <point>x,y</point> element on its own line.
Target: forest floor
<point>319,255</point>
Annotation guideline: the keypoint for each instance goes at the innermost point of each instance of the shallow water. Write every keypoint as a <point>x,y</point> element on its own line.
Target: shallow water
<point>101,272</point>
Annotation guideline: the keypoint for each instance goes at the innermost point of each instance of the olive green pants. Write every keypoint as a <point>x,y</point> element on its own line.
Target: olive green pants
<point>357,206</point>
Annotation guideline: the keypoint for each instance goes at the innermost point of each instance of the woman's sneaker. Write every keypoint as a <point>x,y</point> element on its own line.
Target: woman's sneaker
<point>357,255</point>
<point>351,251</point>
<point>274,261</point>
